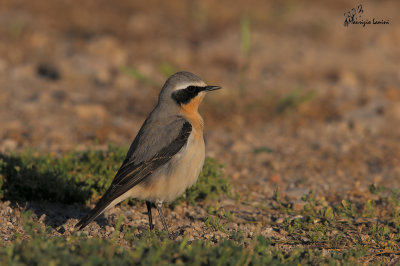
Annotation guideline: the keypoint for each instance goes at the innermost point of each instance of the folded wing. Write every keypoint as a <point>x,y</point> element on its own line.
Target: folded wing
<point>152,148</point>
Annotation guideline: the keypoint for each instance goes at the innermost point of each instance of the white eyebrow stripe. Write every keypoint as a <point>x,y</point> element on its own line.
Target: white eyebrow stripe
<point>187,84</point>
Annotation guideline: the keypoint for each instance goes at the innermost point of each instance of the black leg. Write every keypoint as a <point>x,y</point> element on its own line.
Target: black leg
<point>159,209</point>
<point>148,204</point>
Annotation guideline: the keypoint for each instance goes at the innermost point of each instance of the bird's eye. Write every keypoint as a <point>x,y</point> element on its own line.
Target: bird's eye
<point>191,89</point>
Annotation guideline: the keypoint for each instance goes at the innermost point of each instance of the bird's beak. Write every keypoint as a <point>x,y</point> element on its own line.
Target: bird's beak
<point>211,88</point>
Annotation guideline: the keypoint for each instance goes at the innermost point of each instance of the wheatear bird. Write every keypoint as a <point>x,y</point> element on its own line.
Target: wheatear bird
<point>168,153</point>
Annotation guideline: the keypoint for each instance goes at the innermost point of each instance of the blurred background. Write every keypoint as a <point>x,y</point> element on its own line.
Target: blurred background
<point>307,103</point>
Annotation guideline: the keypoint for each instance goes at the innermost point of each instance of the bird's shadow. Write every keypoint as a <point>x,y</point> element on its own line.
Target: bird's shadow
<point>53,199</point>
<point>44,192</point>
<point>56,215</point>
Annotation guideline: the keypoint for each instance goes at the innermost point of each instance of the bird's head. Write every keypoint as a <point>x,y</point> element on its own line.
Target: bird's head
<point>185,90</point>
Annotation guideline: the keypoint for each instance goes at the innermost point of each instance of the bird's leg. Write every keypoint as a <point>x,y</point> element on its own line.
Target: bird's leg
<point>159,209</point>
<point>149,205</point>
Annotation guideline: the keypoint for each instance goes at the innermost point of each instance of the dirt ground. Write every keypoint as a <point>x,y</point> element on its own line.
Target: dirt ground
<point>308,104</point>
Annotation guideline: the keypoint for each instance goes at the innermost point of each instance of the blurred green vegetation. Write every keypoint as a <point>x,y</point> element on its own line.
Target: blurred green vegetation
<point>245,48</point>
<point>136,74</point>
<point>293,99</point>
<point>79,177</point>
<point>245,36</point>
<point>167,69</point>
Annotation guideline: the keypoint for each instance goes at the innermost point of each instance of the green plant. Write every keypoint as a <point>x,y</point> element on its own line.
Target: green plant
<point>72,177</point>
<point>245,36</point>
<point>136,74</point>
<point>40,248</point>
<point>245,48</point>
<point>78,177</point>
<point>293,100</point>
<point>167,69</point>
<point>263,150</point>
<point>215,224</point>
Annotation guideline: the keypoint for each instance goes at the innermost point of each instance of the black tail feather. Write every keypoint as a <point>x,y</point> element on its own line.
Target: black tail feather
<point>93,214</point>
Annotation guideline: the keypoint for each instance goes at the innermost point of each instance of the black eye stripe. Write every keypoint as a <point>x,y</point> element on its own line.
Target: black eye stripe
<point>184,96</point>
<point>194,88</point>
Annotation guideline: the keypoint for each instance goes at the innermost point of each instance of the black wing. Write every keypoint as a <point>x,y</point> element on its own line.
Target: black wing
<point>131,173</point>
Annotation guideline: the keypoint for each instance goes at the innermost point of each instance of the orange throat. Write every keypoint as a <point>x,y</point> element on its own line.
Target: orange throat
<point>190,112</point>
